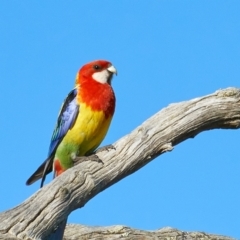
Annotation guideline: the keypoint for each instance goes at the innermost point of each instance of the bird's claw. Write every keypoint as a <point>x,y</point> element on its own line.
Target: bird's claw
<point>79,159</point>
<point>93,157</point>
<point>105,148</point>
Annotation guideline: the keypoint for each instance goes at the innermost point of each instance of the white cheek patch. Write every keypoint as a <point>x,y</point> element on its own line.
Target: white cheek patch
<point>102,76</point>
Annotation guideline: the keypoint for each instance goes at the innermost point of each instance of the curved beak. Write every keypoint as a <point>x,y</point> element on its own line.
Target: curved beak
<point>112,69</point>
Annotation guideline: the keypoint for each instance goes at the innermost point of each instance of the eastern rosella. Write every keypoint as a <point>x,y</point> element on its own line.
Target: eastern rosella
<point>83,120</point>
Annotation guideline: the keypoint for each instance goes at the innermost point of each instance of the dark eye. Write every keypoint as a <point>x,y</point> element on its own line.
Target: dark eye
<point>96,67</point>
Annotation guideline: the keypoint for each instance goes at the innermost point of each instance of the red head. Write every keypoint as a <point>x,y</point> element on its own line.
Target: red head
<point>94,83</point>
<point>99,70</point>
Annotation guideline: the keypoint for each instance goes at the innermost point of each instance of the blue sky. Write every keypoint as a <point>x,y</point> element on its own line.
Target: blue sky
<point>165,52</point>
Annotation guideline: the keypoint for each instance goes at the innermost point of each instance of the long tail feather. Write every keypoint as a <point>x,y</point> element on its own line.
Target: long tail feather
<point>41,172</point>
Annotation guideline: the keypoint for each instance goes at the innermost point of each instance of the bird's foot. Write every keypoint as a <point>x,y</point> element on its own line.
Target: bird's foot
<point>80,159</point>
<point>105,148</point>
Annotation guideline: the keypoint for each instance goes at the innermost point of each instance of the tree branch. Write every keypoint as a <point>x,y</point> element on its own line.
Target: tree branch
<point>75,231</point>
<point>38,216</point>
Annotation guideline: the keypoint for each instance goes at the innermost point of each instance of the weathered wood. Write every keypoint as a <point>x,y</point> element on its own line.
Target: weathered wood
<point>122,232</point>
<point>81,232</point>
<point>39,215</point>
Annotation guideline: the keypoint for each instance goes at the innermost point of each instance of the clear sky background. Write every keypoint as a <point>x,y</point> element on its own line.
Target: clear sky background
<point>165,52</point>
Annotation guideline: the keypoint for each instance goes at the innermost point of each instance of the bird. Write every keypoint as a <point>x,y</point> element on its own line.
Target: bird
<point>83,120</point>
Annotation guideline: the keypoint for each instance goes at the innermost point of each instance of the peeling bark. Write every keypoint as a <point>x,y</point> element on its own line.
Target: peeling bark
<point>38,216</point>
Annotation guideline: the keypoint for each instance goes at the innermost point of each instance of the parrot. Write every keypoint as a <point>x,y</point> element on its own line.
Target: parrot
<point>83,120</point>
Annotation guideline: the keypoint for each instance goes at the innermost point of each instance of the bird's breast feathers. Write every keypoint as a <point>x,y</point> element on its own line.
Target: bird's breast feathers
<point>85,136</point>
<point>89,129</point>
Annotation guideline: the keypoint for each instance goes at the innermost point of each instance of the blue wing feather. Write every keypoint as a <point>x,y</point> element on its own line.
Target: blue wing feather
<point>66,119</point>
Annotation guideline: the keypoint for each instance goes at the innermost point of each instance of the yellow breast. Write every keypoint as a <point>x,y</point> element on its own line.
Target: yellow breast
<point>89,130</point>
<point>85,136</point>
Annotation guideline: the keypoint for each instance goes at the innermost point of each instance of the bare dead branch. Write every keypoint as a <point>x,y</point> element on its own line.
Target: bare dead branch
<point>38,216</point>
<point>74,231</point>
